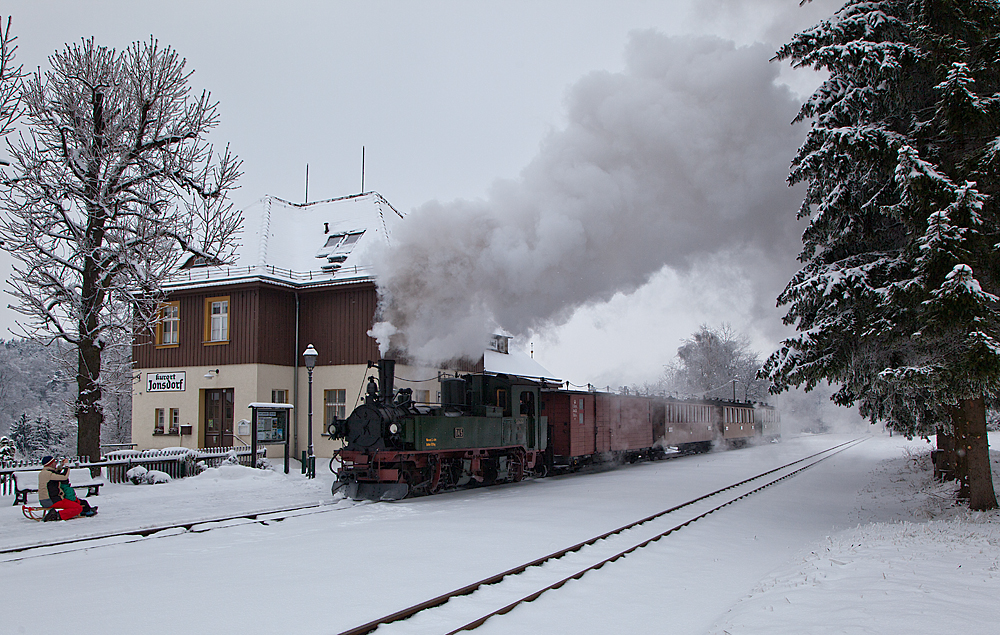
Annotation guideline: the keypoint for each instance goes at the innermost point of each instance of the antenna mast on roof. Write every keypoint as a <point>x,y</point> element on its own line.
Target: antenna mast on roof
<point>307,183</point>
<point>362,169</point>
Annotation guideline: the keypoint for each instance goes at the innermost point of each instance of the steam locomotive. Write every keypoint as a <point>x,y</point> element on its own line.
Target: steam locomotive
<point>489,428</point>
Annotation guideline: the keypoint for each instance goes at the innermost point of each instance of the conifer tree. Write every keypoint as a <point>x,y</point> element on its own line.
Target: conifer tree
<point>896,300</point>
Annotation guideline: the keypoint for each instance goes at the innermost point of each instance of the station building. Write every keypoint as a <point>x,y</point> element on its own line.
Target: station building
<point>231,335</point>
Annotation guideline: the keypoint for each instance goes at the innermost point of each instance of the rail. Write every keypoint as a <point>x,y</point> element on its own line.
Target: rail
<point>468,590</point>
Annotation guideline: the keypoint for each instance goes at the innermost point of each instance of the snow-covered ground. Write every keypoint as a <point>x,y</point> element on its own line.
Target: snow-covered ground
<point>864,542</point>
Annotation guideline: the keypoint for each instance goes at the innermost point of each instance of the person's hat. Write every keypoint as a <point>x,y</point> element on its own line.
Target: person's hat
<point>47,459</point>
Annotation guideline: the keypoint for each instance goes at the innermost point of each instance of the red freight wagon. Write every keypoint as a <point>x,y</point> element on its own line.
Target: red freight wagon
<point>624,423</point>
<point>571,425</point>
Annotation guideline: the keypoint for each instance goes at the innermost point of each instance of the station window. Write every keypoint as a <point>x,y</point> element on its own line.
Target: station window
<point>175,421</point>
<point>159,419</point>
<point>279,396</point>
<point>217,320</point>
<point>334,404</point>
<point>168,324</point>
<point>422,396</point>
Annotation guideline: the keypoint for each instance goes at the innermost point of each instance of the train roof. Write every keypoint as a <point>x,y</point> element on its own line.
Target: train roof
<point>515,363</point>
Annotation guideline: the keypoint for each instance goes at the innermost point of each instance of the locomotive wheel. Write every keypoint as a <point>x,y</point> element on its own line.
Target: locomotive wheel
<point>414,478</point>
<point>437,483</point>
<point>515,466</point>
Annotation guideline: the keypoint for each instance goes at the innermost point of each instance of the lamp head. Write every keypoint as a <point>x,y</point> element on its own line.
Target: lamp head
<point>310,355</point>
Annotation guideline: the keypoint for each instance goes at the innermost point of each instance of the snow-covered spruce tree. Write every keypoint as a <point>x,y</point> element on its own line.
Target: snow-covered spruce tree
<point>113,182</point>
<point>895,301</point>
<point>22,434</point>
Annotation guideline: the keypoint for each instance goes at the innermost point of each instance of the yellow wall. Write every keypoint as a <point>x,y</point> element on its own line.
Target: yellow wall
<point>254,383</point>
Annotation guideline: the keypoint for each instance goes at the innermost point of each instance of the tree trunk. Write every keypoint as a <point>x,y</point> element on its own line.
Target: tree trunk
<point>89,415</point>
<point>959,427</point>
<point>945,459</point>
<point>972,445</point>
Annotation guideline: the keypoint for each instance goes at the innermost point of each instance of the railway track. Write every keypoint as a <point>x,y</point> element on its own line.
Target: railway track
<point>554,570</point>
<point>53,547</point>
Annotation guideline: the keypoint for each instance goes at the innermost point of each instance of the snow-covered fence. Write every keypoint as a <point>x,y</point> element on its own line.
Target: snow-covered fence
<point>176,462</point>
<point>7,469</point>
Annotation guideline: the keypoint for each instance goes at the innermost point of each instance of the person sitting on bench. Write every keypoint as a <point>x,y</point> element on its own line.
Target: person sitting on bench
<point>56,493</point>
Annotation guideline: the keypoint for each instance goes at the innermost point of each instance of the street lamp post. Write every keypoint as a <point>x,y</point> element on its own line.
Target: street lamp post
<point>310,356</point>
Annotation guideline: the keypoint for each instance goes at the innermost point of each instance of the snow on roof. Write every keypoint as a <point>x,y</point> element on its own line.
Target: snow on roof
<point>514,363</point>
<point>304,243</point>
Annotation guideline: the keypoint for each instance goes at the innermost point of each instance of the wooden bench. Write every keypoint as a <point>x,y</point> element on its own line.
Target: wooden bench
<point>27,483</point>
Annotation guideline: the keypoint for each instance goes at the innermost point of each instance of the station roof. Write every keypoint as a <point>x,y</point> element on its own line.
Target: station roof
<point>302,244</point>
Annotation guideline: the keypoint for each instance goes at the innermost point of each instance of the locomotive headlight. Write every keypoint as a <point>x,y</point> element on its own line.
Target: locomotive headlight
<point>393,428</point>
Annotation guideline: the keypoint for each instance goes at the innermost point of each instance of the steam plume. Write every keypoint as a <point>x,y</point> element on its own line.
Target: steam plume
<point>680,156</point>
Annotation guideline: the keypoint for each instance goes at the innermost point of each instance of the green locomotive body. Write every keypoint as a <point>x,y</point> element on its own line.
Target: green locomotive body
<point>487,429</point>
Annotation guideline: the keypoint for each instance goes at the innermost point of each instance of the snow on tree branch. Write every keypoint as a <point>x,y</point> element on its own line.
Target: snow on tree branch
<point>114,181</point>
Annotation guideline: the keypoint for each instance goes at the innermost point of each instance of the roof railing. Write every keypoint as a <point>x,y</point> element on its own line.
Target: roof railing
<point>228,272</point>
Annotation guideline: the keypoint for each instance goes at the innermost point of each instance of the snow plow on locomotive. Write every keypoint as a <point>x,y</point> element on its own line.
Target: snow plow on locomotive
<point>487,429</point>
<point>497,428</point>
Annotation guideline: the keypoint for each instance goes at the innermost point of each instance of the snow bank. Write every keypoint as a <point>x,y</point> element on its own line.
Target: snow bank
<point>940,576</point>
<point>935,577</point>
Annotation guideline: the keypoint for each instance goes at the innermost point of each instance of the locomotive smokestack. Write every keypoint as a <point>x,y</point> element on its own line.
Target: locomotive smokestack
<point>386,378</point>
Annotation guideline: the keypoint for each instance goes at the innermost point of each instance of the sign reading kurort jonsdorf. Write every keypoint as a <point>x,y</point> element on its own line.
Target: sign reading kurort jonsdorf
<point>165,382</point>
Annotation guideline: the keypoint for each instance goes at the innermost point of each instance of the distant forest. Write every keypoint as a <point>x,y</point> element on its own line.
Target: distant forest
<point>37,391</point>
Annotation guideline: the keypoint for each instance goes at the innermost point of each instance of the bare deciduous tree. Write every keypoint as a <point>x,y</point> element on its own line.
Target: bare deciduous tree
<point>112,184</point>
<point>10,80</point>
<point>719,363</point>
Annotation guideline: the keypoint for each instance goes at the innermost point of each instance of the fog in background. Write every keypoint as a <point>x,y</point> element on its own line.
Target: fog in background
<point>813,412</point>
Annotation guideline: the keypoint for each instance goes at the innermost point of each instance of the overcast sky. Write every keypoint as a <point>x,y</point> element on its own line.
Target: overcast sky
<point>490,109</point>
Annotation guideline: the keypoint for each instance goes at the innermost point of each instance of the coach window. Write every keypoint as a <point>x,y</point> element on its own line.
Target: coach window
<point>217,320</point>
<point>168,325</point>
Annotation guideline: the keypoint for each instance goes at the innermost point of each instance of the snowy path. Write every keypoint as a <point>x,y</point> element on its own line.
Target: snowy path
<point>327,572</point>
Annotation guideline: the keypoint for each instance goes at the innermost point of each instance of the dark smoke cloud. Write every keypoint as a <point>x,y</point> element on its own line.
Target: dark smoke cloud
<point>678,158</point>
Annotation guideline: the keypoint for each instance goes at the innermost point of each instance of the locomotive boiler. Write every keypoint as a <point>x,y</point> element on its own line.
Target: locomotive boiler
<point>487,429</point>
